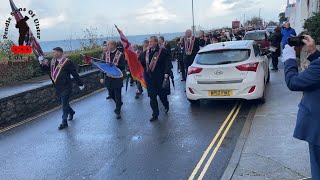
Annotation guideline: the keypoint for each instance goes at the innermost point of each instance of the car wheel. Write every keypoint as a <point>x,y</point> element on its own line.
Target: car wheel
<point>194,102</point>
<point>268,79</point>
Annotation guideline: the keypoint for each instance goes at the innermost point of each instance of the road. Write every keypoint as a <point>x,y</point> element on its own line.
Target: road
<point>98,146</point>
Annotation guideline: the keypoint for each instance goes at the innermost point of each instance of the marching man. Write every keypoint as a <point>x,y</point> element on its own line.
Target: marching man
<point>60,69</point>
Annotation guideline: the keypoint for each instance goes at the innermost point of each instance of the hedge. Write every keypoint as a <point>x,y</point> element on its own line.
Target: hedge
<point>312,26</point>
<point>18,70</point>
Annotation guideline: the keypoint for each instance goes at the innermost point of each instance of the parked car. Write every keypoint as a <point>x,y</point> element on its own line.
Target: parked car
<point>271,29</point>
<point>229,70</point>
<point>261,37</point>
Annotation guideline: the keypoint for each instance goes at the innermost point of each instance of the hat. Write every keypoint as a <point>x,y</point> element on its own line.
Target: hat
<point>58,49</point>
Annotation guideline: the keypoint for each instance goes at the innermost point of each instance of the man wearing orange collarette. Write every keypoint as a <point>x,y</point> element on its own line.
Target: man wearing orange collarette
<point>60,69</point>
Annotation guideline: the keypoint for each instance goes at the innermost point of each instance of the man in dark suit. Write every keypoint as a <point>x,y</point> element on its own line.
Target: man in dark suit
<point>156,63</point>
<point>60,69</point>
<point>308,119</point>
<point>114,85</point>
<point>191,47</point>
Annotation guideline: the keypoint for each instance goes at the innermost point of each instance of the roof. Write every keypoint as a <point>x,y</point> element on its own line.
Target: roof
<point>228,45</point>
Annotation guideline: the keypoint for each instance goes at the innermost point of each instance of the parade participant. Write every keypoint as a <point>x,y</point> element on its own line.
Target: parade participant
<point>191,46</point>
<point>179,54</point>
<point>202,39</point>
<point>164,44</point>
<point>104,50</point>
<point>114,85</point>
<point>156,63</point>
<point>61,68</point>
<point>139,89</point>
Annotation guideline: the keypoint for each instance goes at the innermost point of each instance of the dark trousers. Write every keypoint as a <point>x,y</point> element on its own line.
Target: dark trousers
<point>315,161</point>
<point>115,94</point>
<point>183,70</point>
<point>275,62</point>
<point>139,87</point>
<point>154,104</point>
<point>65,108</point>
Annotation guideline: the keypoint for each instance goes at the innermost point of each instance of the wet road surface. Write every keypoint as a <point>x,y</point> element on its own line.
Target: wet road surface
<point>98,146</point>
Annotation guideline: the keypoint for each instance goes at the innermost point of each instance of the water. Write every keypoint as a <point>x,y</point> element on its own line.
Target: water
<point>75,44</point>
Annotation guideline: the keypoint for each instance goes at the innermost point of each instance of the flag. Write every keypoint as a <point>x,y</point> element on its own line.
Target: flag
<point>135,66</point>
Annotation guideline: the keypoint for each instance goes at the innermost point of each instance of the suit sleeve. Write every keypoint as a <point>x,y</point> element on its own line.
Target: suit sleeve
<point>167,62</point>
<point>46,68</point>
<point>142,59</point>
<point>73,71</point>
<point>308,80</point>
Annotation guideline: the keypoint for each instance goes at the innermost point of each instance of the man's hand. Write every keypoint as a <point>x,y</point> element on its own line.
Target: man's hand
<point>166,76</point>
<point>310,43</point>
<point>81,87</point>
<point>101,81</point>
<point>288,53</point>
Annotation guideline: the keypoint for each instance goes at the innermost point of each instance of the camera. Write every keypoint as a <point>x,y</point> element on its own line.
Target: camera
<point>295,41</point>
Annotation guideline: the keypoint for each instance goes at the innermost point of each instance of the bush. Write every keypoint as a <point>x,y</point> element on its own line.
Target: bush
<point>312,27</point>
<point>17,70</point>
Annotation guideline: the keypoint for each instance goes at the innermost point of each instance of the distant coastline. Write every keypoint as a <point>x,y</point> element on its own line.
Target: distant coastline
<point>74,44</point>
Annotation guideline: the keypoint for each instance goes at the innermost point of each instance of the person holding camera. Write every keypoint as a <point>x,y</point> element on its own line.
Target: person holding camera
<point>308,81</point>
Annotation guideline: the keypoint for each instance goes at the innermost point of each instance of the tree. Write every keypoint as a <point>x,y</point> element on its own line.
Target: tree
<point>312,27</point>
<point>282,17</point>
<point>254,21</point>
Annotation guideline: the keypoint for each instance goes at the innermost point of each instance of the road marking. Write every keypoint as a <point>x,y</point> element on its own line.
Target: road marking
<point>195,171</point>
<point>219,144</point>
<point>47,112</point>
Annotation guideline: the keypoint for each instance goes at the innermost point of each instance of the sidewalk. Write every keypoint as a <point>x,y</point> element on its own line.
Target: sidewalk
<point>270,151</point>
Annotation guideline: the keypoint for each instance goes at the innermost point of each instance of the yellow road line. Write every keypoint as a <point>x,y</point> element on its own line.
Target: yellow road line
<point>195,171</point>
<point>219,144</point>
<point>47,112</point>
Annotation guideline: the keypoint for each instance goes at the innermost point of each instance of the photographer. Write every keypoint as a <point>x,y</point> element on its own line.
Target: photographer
<point>308,118</point>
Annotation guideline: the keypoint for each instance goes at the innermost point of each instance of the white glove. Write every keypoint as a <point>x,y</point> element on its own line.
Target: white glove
<point>288,53</point>
<point>40,59</point>
<point>81,87</point>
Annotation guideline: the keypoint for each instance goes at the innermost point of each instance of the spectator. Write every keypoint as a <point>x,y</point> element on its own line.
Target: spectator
<point>275,40</point>
<point>287,32</point>
<point>308,122</point>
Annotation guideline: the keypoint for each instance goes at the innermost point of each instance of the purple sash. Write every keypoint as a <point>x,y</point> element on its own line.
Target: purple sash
<point>152,65</point>
<point>55,71</point>
<point>188,45</point>
<point>116,58</point>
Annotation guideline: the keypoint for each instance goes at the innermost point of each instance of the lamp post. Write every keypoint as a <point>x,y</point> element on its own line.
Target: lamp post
<point>193,28</point>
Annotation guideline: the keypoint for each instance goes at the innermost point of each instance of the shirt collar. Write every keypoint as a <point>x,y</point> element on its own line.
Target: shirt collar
<point>113,51</point>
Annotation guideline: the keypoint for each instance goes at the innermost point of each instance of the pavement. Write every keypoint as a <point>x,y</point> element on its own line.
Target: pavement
<point>98,146</point>
<point>270,151</point>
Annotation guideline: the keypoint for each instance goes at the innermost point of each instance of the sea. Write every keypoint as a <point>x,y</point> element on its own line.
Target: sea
<point>75,44</point>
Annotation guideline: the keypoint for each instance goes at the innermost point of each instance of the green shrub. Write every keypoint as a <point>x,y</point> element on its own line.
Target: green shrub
<point>312,27</point>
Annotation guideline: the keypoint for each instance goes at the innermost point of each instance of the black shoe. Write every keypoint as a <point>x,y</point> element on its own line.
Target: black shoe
<point>137,96</point>
<point>183,80</point>
<point>167,109</point>
<point>71,116</point>
<point>118,116</point>
<point>63,126</point>
<point>153,119</point>
<point>109,97</point>
<point>274,69</point>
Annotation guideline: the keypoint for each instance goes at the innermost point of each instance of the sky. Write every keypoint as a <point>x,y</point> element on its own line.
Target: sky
<point>66,19</point>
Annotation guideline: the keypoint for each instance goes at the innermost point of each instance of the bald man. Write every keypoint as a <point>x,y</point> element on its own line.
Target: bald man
<point>191,46</point>
<point>114,85</point>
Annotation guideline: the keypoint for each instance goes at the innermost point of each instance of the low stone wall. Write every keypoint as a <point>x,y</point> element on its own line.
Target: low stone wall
<point>27,104</point>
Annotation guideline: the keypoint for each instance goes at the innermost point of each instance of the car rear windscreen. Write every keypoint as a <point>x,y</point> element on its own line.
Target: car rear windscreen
<point>222,57</point>
<point>255,36</point>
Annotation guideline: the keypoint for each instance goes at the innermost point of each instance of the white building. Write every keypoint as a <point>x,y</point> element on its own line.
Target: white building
<point>298,12</point>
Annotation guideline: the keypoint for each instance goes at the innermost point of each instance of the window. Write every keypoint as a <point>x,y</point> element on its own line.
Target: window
<point>255,36</point>
<point>222,57</point>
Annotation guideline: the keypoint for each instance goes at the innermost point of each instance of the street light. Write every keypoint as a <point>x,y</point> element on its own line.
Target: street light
<point>193,28</point>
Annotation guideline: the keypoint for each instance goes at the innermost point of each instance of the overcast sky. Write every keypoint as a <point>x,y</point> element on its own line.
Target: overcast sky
<point>61,19</point>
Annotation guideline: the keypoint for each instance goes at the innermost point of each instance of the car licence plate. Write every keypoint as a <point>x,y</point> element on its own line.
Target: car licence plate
<point>220,93</point>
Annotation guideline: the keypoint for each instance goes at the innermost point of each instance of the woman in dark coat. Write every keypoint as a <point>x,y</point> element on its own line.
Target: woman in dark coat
<point>275,40</point>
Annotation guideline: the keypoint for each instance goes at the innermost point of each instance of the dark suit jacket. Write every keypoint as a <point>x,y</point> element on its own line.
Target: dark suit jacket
<point>114,82</point>
<point>188,59</point>
<point>63,85</point>
<point>308,119</point>
<point>155,79</point>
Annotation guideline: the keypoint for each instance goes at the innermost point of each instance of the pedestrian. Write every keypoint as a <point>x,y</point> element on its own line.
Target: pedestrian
<point>308,122</point>
<point>60,69</point>
<point>275,40</point>
<point>156,63</point>
<point>114,85</point>
<point>139,89</point>
<point>180,53</point>
<point>202,40</point>
<point>191,47</point>
<point>286,33</point>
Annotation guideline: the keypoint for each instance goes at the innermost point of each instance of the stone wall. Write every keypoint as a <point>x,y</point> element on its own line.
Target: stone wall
<point>27,104</point>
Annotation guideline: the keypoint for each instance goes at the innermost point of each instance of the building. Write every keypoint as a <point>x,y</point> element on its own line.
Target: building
<point>298,12</point>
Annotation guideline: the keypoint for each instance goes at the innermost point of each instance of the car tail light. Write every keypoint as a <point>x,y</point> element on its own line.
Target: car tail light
<point>191,91</point>
<point>194,70</point>
<point>248,67</point>
<point>252,89</point>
